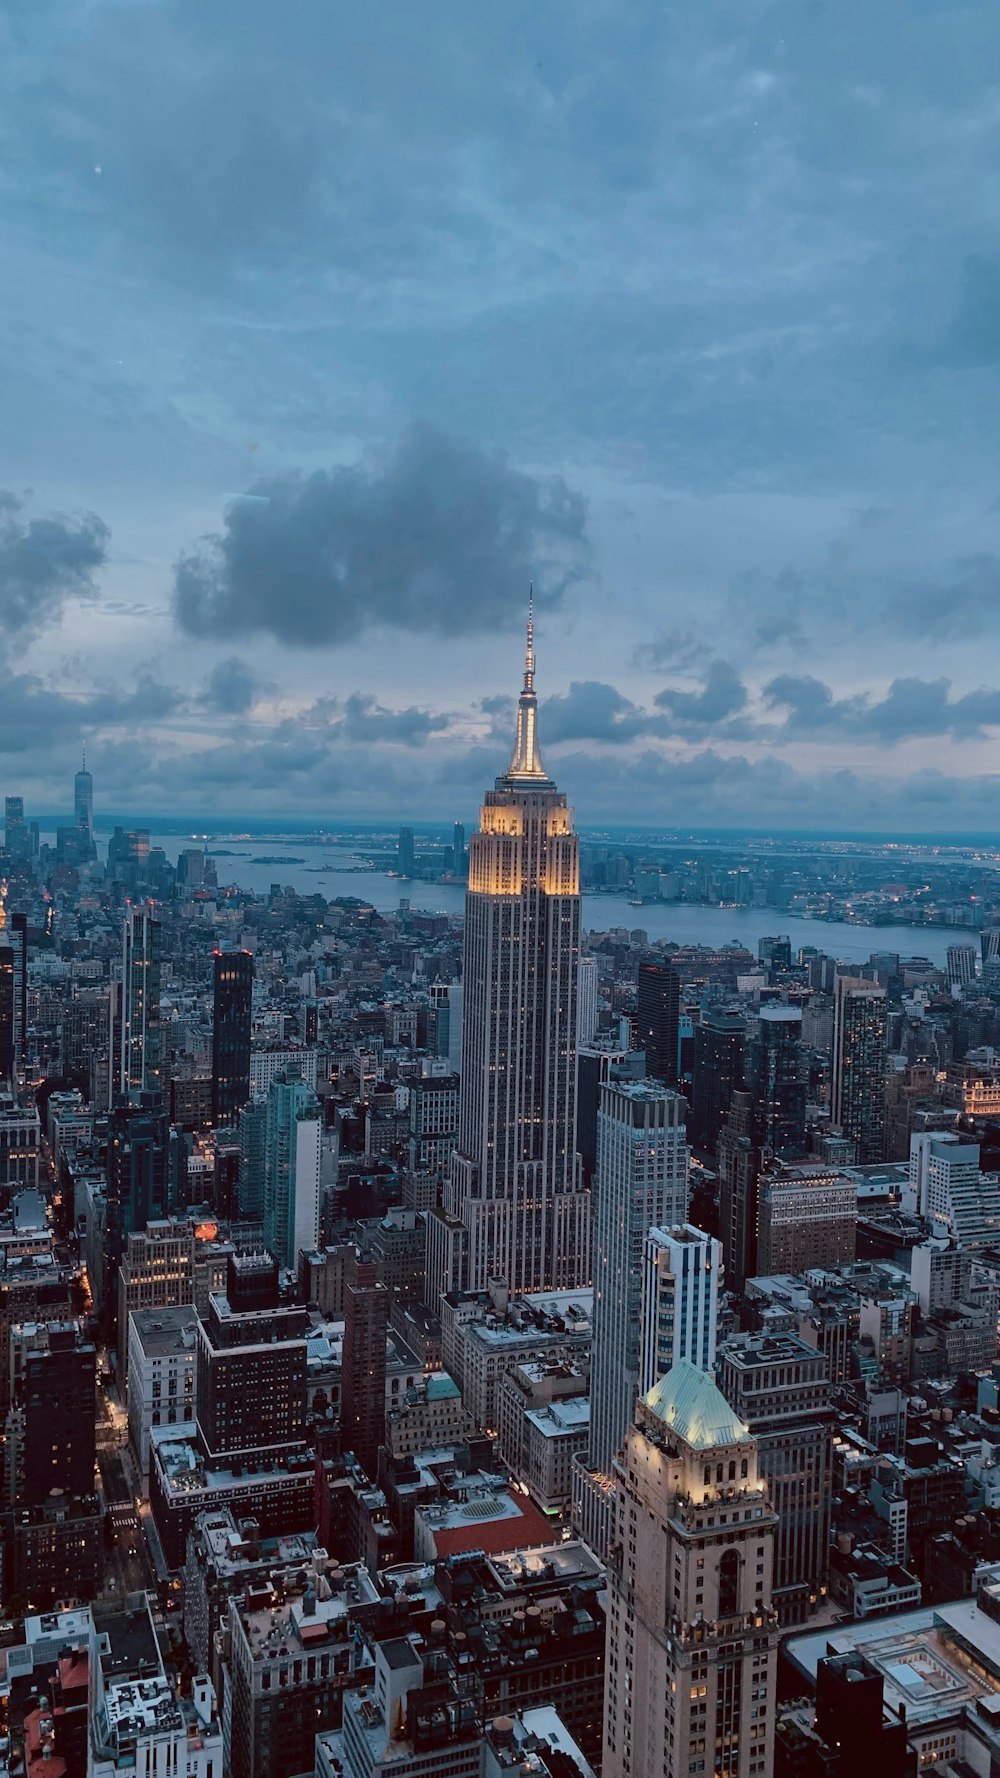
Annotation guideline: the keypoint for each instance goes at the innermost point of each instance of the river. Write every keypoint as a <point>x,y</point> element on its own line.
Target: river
<point>331,871</point>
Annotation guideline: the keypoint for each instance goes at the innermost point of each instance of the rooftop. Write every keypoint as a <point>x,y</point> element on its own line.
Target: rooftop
<point>691,1405</point>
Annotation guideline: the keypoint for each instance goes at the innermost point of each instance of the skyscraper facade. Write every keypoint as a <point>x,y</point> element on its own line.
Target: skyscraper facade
<point>516,1181</point>
<point>83,801</point>
<point>405,855</point>
<point>682,1272</point>
<point>777,1078</point>
<point>233,1010</point>
<point>587,1001</point>
<point>139,1056</point>
<point>658,1004</point>
<point>291,1170</point>
<point>641,1182</point>
<point>718,1070</point>
<point>859,1045</point>
<point>692,1639</point>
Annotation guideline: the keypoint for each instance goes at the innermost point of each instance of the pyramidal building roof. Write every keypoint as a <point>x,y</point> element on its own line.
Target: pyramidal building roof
<point>693,1408</point>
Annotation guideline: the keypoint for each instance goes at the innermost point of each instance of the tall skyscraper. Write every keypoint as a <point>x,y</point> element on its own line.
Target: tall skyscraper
<point>59,1395</point>
<point>233,1011</point>
<point>658,1005</point>
<point>83,801</point>
<point>641,1183</point>
<point>777,1078</point>
<point>458,858</point>
<point>680,1301</point>
<point>13,996</point>
<point>362,1388</point>
<point>8,1068</point>
<point>140,1069</point>
<point>516,1179</point>
<point>291,1170</point>
<point>692,1639</point>
<point>15,832</point>
<point>404,855</point>
<point>587,1002</point>
<point>858,1087</point>
<point>717,1072</point>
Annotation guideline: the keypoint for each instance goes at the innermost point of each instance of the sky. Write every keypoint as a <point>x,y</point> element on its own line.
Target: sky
<point>325,330</point>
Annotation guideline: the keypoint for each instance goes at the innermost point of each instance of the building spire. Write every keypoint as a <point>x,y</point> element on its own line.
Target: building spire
<point>526,760</point>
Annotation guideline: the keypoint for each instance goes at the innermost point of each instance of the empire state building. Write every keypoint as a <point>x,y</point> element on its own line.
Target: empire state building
<point>515,1177</point>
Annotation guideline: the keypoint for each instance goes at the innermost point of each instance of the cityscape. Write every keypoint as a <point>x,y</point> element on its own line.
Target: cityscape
<point>484,1339</point>
<point>499,889</point>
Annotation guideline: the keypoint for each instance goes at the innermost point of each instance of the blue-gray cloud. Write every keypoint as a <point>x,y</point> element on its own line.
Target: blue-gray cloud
<point>439,536</point>
<point>44,561</point>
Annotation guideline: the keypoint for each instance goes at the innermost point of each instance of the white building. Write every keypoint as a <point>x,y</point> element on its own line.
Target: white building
<point>270,1060</point>
<point>640,1183</point>
<point>160,1390</point>
<point>680,1301</point>
<point>948,1187</point>
<point>587,1002</point>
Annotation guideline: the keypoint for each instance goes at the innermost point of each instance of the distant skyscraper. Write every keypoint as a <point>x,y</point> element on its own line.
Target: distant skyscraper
<point>587,1015</point>
<point>233,1011</point>
<point>83,800</point>
<point>8,1069</point>
<point>858,1087</point>
<point>658,1006</point>
<point>641,1183</point>
<point>692,1639</point>
<point>718,1070</point>
<point>142,1184</point>
<point>961,966</point>
<point>140,1068</point>
<point>405,855</point>
<point>15,832</point>
<point>458,848</point>
<point>516,1179</point>
<point>777,1078</point>
<point>291,1170</point>
<point>680,1301</point>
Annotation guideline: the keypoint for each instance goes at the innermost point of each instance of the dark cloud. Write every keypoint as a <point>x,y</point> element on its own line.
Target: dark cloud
<point>232,687</point>
<point>910,708</point>
<point>29,708</point>
<point>439,536</point>
<point>590,711</point>
<point>722,695</point>
<point>46,561</point>
<point>367,720</point>
<point>672,651</point>
<point>962,603</point>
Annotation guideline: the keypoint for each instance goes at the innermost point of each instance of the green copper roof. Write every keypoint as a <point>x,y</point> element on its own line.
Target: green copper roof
<point>441,1387</point>
<point>690,1404</point>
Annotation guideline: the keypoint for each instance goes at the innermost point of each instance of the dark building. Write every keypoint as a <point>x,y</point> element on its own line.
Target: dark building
<point>142,1183</point>
<point>658,1007</point>
<point>231,1034</point>
<point>405,855</point>
<point>54,1551</point>
<point>13,998</point>
<point>717,1072</point>
<point>777,1078</point>
<point>739,1188</point>
<point>779,1388</point>
<point>850,1732</point>
<point>362,1390</point>
<point>7,976</point>
<point>251,1366</point>
<point>59,1396</point>
<point>459,860</point>
<point>858,1098</point>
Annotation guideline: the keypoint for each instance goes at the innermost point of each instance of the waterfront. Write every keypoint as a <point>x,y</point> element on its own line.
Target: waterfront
<point>331,870</point>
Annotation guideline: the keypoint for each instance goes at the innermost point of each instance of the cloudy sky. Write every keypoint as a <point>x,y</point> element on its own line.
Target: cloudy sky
<point>326,328</point>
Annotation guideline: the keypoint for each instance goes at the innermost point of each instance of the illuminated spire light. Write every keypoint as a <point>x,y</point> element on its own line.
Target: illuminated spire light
<point>526,760</point>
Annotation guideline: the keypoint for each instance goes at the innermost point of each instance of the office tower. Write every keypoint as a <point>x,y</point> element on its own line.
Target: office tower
<point>682,1272</point>
<point>291,1170</point>
<point>140,1062</point>
<point>434,1100</point>
<point>158,1271</point>
<point>961,966</point>
<point>83,801</point>
<point>779,1388</point>
<point>641,1183</point>
<point>692,1639</point>
<point>822,973</point>
<point>142,1185</point>
<point>658,1007</point>
<point>8,975</point>
<point>253,1159</point>
<point>806,1216</point>
<point>716,1073</point>
<point>233,1012</point>
<point>458,857</point>
<point>250,1368</point>
<point>777,1078</point>
<point>586,1022</point>
<point>59,1399</point>
<point>739,1161</point>
<point>858,1087</point>
<point>516,1180</point>
<point>404,854</point>
<point>362,1387</point>
<point>15,832</point>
